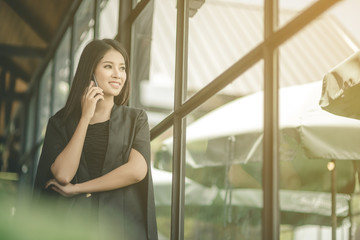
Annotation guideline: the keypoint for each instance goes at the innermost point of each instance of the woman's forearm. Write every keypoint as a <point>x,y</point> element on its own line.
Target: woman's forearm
<point>131,172</point>
<point>66,164</point>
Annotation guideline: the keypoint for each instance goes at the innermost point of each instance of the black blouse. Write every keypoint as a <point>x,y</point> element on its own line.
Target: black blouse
<point>95,146</point>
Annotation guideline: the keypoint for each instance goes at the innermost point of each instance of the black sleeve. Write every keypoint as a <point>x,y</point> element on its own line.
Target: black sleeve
<point>141,141</point>
<point>54,143</point>
<point>142,144</point>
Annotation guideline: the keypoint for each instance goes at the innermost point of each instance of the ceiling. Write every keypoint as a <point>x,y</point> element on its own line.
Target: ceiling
<point>27,30</point>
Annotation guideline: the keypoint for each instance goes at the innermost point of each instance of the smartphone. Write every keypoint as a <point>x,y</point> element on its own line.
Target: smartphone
<point>96,83</point>
<point>94,79</point>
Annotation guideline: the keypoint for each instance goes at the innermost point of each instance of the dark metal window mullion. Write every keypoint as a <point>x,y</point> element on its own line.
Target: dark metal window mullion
<point>3,90</point>
<point>53,85</point>
<point>179,143</point>
<point>270,186</point>
<point>35,132</point>
<point>9,101</point>
<point>124,37</point>
<point>96,18</point>
<point>137,11</point>
<point>72,50</point>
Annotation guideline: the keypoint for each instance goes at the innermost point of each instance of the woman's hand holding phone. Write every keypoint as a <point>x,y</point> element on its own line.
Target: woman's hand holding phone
<point>90,99</point>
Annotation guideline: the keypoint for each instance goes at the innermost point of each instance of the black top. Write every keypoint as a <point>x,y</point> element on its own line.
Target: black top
<point>95,146</point>
<point>127,213</point>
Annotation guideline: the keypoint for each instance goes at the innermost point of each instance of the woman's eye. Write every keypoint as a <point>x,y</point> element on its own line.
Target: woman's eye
<point>122,68</point>
<point>107,66</point>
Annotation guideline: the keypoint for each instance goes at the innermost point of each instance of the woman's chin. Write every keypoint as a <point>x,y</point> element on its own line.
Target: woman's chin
<point>113,92</point>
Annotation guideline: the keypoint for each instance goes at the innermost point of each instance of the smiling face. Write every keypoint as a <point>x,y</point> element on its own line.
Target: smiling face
<point>110,73</point>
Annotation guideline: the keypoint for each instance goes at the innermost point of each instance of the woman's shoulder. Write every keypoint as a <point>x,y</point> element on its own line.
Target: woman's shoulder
<point>131,111</point>
<point>57,118</point>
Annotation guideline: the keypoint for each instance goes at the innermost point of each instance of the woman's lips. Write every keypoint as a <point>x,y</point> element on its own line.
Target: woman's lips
<point>115,84</point>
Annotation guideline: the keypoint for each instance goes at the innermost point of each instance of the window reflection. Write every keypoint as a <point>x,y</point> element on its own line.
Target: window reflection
<point>223,195</point>
<point>30,124</point>
<point>44,101</point>
<point>226,170</point>
<point>62,70</point>
<point>162,181</point>
<point>109,16</point>
<point>27,166</point>
<point>84,29</point>
<point>153,59</point>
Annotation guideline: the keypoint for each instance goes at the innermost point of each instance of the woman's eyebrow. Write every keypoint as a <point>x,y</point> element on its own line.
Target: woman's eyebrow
<point>122,63</point>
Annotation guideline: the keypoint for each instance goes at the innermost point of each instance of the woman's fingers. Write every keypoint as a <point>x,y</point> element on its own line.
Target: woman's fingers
<point>93,91</point>
<point>50,182</point>
<point>84,96</point>
<point>54,185</point>
<point>58,190</point>
<point>88,89</point>
<point>91,97</point>
<point>98,98</point>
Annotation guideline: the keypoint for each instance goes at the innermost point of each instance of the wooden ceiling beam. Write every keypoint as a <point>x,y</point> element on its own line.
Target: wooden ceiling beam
<point>8,50</point>
<point>31,19</point>
<point>7,64</point>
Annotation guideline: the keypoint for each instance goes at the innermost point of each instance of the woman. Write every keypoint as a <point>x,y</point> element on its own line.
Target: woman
<point>96,150</point>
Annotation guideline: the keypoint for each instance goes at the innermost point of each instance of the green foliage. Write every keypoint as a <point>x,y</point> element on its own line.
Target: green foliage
<point>41,221</point>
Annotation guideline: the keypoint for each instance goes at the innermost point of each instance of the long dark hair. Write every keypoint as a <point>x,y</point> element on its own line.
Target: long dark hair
<point>89,59</point>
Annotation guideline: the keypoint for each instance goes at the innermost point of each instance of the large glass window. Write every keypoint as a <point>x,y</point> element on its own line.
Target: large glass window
<point>62,71</point>
<point>303,61</point>
<point>43,109</point>
<point>153,59</point>
<point>306,56</point>
<point>27,166</point>
<point>84,29</point>
<point>223,196</point>
<point>161,148</point>
<point>304,177</point>
<point>224,135</point>
<point>221,33</point>
<point>109,18</point>
<point>44,102</point>
<point>290,9</point>
<point>30,124</point>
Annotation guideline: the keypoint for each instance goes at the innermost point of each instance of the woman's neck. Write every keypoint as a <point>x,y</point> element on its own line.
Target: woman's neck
<point>103,110</point>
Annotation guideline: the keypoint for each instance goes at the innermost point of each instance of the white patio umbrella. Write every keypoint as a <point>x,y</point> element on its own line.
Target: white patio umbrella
<point>341,88</point>
<point>319,133</point>
<point>304,202</point>
<point>309,138</point>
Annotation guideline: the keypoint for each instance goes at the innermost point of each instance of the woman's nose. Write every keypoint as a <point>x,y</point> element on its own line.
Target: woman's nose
<point>116,74</point>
